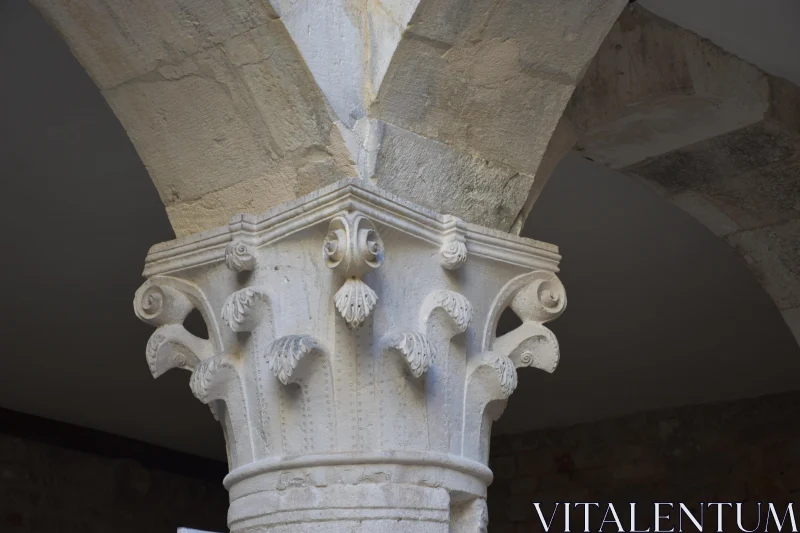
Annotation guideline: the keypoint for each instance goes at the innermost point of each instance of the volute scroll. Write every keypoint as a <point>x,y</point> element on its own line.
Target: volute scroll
<point>160,305</point>
<point>172,346</point>
<point>353,247</point>
<point>536,298</point>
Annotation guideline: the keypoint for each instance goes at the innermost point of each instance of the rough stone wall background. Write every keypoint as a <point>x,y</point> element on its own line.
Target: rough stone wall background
<point>46,488</point>
<point>744,451</point>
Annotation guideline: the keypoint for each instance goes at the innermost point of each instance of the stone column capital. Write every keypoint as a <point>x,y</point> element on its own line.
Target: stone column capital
<point>352,358</point>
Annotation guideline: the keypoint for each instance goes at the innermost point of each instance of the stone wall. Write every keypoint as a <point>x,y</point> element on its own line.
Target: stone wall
<point>744,451</point>
<point>56,478</point>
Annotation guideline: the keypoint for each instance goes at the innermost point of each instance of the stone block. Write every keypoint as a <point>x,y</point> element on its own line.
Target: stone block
<point>792,317</point>
<point>654,87</point>
<point>773,253</point>
<point>231,107</point>
<point>129,39</point>
<point>705,212</point>
<point>750,174</point>
<point>448,180</point>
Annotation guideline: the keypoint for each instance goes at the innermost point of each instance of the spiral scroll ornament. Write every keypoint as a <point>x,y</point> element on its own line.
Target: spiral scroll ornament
<point>542,300</point>
<point>453,254</point>
<point>240,257</point>
<point>353,247</point>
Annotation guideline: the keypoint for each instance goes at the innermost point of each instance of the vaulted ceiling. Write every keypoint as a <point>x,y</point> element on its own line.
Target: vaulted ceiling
<point>661,312</point>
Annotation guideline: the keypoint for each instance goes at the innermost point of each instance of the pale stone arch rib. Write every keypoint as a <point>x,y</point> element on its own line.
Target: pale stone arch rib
<point>215,97</point>
<point>238,106</point>
<point>711,134</point>
<point>473,95</point>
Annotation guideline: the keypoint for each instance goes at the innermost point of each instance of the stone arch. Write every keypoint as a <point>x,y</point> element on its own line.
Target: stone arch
<point>240,106</point>
<point>235,107</point>
<point>215,98</point>
<point>659,308</point>
<point>711,133</point>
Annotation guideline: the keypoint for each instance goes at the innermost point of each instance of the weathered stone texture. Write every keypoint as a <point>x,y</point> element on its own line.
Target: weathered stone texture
<point>751,174</point>
<point>232,107</point>
<point>117,41</point>
<point>705,212</point>
<point>429,172</point>
<point>744,186</point>
<point>709,132</point>
<point>46,488</point>
<point>792,318</point>
<point>347,46</point>
<point>492,79</point>
<point>785,104</point>
<point>654,87</point>
<point>738,451</point>
<point>263,127</point>
<point>216,99</point>
<point>773,252</point>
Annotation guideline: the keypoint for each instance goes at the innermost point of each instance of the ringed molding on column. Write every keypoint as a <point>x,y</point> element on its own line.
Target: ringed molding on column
<point>239,105</point>
<point>375,417</point>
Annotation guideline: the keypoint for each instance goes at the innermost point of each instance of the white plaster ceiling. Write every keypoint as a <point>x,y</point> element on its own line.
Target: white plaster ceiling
<point>660,313</point>
<point>765,33</point>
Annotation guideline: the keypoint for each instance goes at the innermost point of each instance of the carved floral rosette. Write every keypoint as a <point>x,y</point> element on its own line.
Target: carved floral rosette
<point>351,358</point>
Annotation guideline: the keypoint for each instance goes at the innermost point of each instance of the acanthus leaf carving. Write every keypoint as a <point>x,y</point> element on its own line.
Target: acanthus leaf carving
<point>239,256</point>
<point>353,247</point>
<point>173,347</point>
<point>216,381</point>
<point>355,301</point>
<point>242,309</point>
<point>415,348</point>
<point>285,353</point>
<point>457,306</point>
<point>506,374</point>
<point>430,361</point>
<point>209,376</point>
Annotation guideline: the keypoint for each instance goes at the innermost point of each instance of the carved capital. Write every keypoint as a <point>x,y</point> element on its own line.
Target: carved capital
<point>530,345</point>
<point>209,380</point>
<point>329,370</point>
